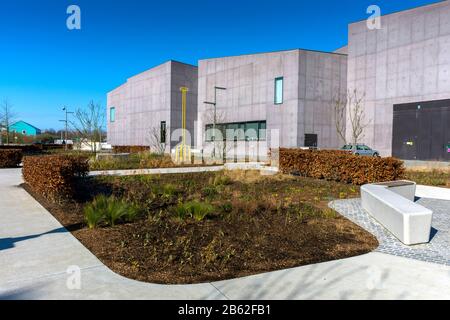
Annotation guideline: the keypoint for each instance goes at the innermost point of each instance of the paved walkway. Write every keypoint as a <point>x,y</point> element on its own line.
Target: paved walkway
<point>36,252</point>
<point>437,250</point>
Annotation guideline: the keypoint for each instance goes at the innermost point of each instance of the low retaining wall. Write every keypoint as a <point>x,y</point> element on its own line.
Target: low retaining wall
<point>230,166</point>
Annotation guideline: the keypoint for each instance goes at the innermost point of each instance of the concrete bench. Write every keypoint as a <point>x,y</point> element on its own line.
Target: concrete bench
<point>392,205</point>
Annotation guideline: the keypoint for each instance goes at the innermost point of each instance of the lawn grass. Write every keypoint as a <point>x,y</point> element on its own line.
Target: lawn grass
<point>213,226</point>
<point>436,178</point>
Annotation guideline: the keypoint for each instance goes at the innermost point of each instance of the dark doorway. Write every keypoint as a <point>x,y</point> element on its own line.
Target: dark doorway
<point>421,131</point>
<point>311,140</point>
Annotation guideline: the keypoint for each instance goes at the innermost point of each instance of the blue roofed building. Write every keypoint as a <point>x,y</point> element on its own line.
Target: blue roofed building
<point>24,128</point>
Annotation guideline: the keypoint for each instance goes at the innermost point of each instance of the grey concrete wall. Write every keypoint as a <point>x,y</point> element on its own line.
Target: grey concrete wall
<point>249,80</point>
<point>183,75</point>
<point>310,81</point>
<point>408,60</point>
<point>322,78</point>
<point>147,99</point>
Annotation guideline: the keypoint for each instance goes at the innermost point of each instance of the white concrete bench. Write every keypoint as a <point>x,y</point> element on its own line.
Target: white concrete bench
<point>392,205</point>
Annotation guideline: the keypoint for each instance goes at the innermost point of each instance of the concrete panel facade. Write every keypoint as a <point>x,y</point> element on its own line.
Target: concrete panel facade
<point>407,60</point>
<point>149,98</point>
<point>310,81</point>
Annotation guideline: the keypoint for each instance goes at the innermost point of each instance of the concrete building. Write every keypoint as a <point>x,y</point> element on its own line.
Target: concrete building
<point>151,102</point>
<point>291,91</point>
<point>404,71</point>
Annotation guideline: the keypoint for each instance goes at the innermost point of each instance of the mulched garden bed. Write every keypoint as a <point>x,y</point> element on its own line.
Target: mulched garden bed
<point>259,224</point>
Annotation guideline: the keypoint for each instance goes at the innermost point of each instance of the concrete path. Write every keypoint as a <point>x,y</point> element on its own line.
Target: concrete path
<point>36,254</point>
<point>228,166</point>
<point>433,193</point>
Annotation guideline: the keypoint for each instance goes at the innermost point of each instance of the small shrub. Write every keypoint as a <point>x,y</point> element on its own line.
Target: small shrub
<point>210,191</point>
<point>221,180</point>
<point>130,149</point>
<point>10,158</point>
<point>109,210</point>
<point>194,209</point>
<point>55,176</point>
<point>227,207</point>
<point>182,211</point>
<point>340,166</point>
<point>94,212</point>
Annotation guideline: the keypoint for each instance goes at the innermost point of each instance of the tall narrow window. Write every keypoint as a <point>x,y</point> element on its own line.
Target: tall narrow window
<point>279,90</point>
<point>163,132</point>
<point>112,114</point>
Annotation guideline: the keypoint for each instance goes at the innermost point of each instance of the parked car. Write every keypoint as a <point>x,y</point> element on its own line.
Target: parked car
<point>361,150</point>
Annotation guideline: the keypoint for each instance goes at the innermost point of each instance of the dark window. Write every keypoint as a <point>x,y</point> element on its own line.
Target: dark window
<point>163,132</point>
<point>311,140</point>
<point>240,131</point>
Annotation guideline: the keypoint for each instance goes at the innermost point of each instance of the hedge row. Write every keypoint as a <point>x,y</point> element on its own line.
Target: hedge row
<point>26,149</point>
<point>340,166</point>
<point>130,149</point>
<point>55,176</point>
<point>10,158</point>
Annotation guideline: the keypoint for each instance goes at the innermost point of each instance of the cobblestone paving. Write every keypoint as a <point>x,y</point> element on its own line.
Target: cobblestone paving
<point>437,251</point>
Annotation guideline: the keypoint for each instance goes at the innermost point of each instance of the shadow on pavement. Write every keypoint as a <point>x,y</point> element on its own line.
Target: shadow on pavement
<point>9,243</point>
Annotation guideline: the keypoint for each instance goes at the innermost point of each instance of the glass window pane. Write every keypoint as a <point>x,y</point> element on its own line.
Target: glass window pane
<point>209,133</point>
<point>112,114</point>
<point>232,131</point>
<point>262,131</point>
<point>278,90</point>
<point>251,131</point>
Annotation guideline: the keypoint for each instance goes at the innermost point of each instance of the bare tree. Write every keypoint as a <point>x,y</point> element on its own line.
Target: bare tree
<point>356,115</point>
<point>220,147</point>
<point>157,139</point>
<point>7,117</point>
<point>340,108</point>
<point>89,125</point>
<point>349,109</point>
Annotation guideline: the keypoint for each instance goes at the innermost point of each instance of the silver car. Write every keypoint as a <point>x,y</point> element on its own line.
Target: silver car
<point>361,150</point>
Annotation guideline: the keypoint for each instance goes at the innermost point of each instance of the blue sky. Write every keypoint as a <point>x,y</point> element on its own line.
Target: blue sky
<point>44,66</point>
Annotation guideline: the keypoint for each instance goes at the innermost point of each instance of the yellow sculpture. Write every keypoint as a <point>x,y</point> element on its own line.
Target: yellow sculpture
<point>183,151</point>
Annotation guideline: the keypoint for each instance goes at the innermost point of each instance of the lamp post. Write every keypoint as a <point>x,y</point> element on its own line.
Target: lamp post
<point>66,121</point>
<point>215,115</point>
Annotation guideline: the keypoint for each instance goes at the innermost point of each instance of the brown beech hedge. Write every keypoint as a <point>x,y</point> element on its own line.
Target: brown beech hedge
<point>130,149</point>
<point>54,176</point>
<point>10,158</point>
<point>340,166</point>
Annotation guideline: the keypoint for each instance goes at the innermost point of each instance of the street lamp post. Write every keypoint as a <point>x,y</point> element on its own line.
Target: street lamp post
<point>66,121</point>
<point>215,115</point>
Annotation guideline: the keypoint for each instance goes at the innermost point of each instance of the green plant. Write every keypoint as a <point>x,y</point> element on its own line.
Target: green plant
<point>109,210</point>
<point>227,207</point>
<point>195,209</point>
<point>210,191</point>
<point>221,180</point>
<point>94,212</point>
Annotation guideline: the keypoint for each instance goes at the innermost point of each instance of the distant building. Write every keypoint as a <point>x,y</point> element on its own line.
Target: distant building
<point>24,128</point>
<point>151,101</point>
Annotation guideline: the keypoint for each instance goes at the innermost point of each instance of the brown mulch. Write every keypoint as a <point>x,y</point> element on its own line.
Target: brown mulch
<point>167,251</point>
